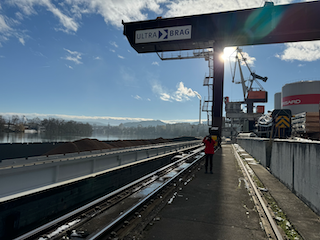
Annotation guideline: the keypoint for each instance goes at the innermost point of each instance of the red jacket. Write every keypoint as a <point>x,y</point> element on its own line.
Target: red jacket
<point>209,149</point>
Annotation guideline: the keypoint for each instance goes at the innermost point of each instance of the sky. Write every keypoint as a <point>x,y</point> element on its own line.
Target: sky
<point>69,59</point>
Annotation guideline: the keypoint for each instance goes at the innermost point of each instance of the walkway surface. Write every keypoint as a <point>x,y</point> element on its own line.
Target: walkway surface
<point>211,206</point>
<point>218,206</point>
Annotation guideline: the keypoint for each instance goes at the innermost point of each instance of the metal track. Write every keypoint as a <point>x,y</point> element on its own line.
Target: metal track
<point>76,217</point>
<point>102,233</point>
<point>256,192</point>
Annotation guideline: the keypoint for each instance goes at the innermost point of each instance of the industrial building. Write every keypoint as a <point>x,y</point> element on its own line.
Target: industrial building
<point>303,96</point>
<point>303,100</point>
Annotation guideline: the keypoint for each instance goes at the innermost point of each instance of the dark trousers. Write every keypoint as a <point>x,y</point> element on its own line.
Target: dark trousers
<point>209,159</point>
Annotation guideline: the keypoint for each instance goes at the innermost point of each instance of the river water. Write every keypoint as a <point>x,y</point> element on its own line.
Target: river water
<point>43,137</point>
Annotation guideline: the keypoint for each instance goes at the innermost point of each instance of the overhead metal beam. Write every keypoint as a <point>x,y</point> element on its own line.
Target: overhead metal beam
<point>265,25</point>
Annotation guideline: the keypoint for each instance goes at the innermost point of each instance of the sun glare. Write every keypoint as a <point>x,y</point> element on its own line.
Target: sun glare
<point>228,52</point>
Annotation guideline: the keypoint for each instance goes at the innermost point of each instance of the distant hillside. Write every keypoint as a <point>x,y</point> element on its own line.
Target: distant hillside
<point>144,124</point>
<point>95,123</point>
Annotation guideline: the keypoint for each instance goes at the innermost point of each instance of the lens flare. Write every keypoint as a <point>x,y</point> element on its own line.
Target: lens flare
<point>227,53</point>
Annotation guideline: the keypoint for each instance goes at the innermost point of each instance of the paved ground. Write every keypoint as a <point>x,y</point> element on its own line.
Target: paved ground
<point>211,206</point>
<point>215,206</point>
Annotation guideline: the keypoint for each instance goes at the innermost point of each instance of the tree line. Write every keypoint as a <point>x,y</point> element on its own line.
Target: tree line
<point>166,131</point>
<point>15,123</point>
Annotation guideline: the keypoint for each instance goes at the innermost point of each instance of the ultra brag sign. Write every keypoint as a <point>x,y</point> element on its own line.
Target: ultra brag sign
<point>163,34</point>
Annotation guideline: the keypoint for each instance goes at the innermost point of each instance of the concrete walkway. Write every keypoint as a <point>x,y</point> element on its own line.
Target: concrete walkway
<point>217,206</point>
<point>212,206</point>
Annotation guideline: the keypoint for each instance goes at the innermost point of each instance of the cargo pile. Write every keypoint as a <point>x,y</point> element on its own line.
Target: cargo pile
<point>87,144</point>
<point>306,124</point>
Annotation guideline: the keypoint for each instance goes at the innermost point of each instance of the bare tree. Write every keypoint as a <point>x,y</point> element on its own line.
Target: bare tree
<point>2,124</point>
<point>15,120</point>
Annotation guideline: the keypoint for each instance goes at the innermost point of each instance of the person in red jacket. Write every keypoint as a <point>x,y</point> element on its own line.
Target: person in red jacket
<point>209,151</point>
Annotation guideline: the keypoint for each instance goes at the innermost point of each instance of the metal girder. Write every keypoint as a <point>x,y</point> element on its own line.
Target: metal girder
<point>265,25</point>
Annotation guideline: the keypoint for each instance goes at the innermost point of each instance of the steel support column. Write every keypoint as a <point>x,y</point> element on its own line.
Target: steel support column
<point>217,94</point>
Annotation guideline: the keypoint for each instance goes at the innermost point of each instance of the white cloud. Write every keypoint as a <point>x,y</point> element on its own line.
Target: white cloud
<point>137,97</point>
<point>114,12</point>
<point>3,25</point>
<point>19,15</point>
<point>180,121</point>
<point>301,51</point>
<point>74,117</point>
<point>250,60</point>
<point>73,59</point>
<point>71,52</point>
<point>230,55</point>
<point>111,50</point>
<point>113,44</point>
<point>39,54</point>
<point>119,56</point>
<point>191,7</point>
<point>155,63</point>
<point>69,12</point>
<point>5,30</point>
<point>69,24</point>
<point>22,41</point>
<point>183,93</point>
<point>97,58</point>
<point>180,95</point>
<point>157,89</point>
<point>165,97</point>
<point>73,56</point>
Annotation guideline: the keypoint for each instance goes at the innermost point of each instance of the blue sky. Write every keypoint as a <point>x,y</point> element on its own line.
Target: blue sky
<point>70,59</point>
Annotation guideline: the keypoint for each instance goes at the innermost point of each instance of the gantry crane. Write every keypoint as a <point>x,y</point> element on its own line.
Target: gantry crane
<point>207,54</point>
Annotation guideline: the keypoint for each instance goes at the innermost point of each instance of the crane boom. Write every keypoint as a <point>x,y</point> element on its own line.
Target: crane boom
<point>250,94</point>
<point>244,87</point>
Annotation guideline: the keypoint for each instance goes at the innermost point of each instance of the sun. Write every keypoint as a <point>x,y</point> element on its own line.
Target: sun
<point>227,53</point>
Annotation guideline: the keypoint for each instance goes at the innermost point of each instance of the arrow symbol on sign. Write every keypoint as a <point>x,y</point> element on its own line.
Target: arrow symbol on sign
<point>163,34</point>
<point>282,124</point>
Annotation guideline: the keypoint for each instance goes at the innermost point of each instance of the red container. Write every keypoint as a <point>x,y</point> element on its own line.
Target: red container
<point>260,109</point>
<point>258,96</point>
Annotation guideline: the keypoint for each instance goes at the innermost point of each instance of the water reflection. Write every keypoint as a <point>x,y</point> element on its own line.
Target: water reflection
<point>44,137</point>
<point>33,137</point>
